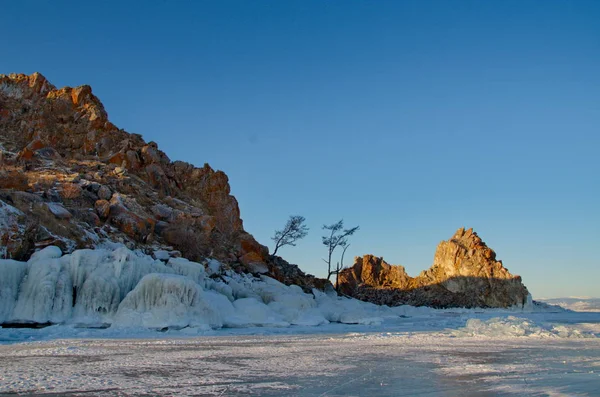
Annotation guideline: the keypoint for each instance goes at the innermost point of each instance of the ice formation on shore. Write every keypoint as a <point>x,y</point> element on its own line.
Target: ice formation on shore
<point>511,326</point>
<point>121,287</point>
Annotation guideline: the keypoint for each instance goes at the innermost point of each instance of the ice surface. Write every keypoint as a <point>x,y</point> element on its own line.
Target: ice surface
<point>512,326</point>
<point>339,364</point>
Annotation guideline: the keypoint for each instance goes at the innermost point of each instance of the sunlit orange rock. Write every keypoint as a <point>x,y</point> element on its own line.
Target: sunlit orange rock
<point>465,272</point>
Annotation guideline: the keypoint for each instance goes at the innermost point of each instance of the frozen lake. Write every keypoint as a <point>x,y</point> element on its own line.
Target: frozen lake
<point>448,354</point>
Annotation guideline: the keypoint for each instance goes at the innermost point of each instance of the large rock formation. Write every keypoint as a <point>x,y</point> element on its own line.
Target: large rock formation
<point>465,273</point>
<point>69,177</point>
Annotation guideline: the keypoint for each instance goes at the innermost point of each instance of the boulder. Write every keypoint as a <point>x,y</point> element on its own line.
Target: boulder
<point>104,193</point>
<point>129,217</point>
<point>289,274</point>
<point>59,211</point>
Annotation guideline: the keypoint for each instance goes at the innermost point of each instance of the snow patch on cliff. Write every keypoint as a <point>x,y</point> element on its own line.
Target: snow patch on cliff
<point>11,91</point>
<point>10,227</point>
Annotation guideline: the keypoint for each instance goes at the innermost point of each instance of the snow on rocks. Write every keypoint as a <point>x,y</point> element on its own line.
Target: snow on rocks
<point>12,231</point>
<point>125,288</point>
<point>192,270</point>
<point>213,266</point>
<point>163,255</point>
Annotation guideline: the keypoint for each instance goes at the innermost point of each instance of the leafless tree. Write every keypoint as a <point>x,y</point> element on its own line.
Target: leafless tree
<point>294,230</point>
<point>338,237</point>
<point>339,267</point>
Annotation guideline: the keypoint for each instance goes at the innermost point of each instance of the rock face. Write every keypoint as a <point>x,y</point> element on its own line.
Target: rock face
<point>71,178</point>
<point>291,274</point>
<point>465,273</point>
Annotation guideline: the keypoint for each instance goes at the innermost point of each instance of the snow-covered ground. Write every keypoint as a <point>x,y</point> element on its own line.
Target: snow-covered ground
<point>129,324</point>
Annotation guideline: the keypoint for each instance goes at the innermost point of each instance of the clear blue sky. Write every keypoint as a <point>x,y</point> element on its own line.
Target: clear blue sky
<point>408,118</point>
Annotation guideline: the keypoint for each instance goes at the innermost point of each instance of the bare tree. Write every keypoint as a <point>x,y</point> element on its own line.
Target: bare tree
<point>339,267</point>
<point>294,230</point>
<point>338,237</point>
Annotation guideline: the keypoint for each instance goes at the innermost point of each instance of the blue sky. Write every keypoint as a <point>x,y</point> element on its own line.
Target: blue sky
<point>408,118</point>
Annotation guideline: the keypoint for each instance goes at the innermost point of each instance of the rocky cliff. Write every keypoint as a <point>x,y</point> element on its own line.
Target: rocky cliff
<point>465,273</point>
<point>71,178</point>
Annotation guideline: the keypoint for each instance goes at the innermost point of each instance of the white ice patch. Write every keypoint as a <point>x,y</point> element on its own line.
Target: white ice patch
<point>162,255</point>
<point>213,266</point>
<point>349,311</point>
<point>51,252</point>
<point>257,313</point>
<point>512,326</point>
<point>162,300</point>
<point>12,275</point>
<point>192,270</point>
<point>46,292</point>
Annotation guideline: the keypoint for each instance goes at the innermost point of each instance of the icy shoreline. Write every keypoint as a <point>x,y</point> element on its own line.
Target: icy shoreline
<point>124,288</point>
<point>230,334</point>
<point>465,324</point>
<point>118,293</point>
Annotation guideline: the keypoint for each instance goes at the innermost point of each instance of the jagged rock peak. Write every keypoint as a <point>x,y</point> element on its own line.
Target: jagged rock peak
<point>464,273</point>
<point>36,81</point>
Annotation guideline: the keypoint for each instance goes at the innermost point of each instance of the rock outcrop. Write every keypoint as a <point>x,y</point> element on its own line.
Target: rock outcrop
<point>71,178</point>
<point>465,273</point>
<point>291,274</point>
